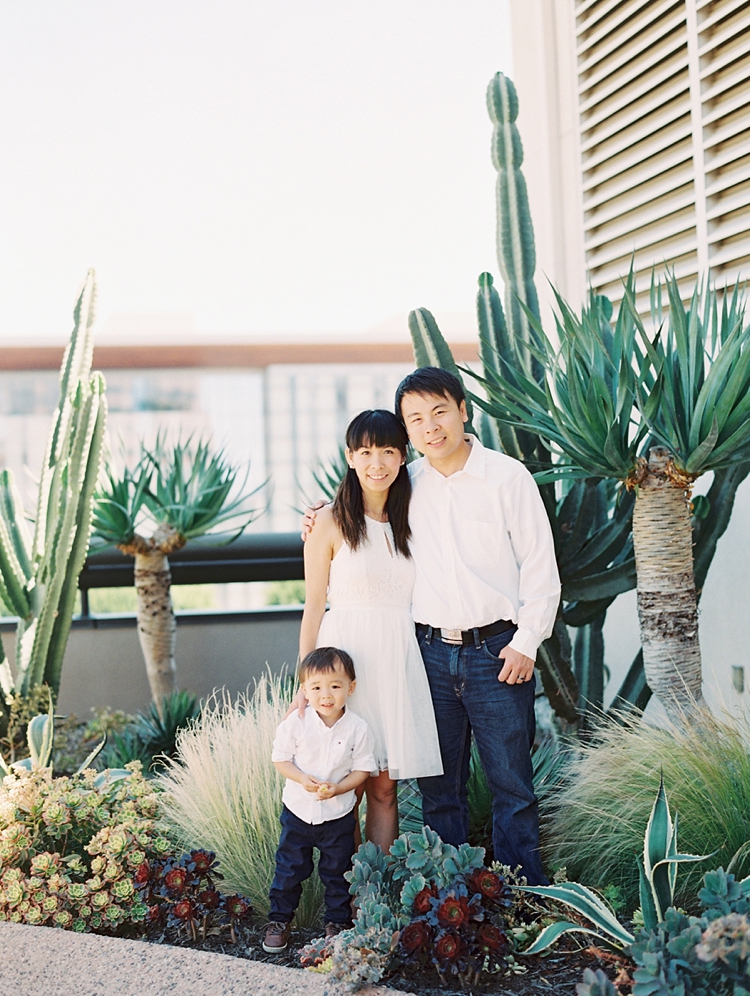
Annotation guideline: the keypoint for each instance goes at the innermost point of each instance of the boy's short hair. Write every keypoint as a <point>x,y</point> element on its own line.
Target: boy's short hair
<point>430,380</point>
<point>322,660</point>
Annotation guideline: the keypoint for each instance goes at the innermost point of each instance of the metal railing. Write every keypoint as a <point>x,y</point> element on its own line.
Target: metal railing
<point>208,560</point>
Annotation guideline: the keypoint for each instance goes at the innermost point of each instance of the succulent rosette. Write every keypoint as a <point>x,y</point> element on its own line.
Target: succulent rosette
<point>414,939</point>
<point>209,899</point>
<point>423,900</point>
<point>204,862</point>
<point>447,951</point>
<point>491,939</point>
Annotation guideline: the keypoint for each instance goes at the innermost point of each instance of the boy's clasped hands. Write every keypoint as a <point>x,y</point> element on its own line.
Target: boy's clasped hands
<point>324,790</point>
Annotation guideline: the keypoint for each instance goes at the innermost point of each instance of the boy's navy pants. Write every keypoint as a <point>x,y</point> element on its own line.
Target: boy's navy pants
<point>294,864</point>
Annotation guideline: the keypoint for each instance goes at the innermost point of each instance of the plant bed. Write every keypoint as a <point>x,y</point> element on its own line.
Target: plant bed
<point>557,973</point>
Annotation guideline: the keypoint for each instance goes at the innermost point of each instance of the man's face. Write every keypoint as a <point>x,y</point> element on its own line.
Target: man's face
<point>435,424</point>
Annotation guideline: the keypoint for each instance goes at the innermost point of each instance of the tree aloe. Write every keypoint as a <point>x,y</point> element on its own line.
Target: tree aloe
<point>610,395</point>
<point>173,495</point>
<point>39,574</point>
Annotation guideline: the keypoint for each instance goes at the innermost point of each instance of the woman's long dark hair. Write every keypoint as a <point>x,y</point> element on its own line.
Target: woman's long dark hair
<point>374,428</point>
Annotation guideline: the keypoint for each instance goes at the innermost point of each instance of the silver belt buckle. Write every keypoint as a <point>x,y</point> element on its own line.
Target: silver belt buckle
<point>451,636</point>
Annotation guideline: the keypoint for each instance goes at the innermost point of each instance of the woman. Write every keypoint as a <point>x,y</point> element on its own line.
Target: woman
<point>358,555</point>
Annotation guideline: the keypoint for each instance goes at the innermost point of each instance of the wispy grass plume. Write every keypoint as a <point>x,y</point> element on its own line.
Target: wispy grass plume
<point>223,793</point>
<point>595,824</point>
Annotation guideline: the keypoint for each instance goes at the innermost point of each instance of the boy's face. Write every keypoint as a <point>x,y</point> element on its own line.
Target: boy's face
<point>328,691</point>
<point>435,424</point>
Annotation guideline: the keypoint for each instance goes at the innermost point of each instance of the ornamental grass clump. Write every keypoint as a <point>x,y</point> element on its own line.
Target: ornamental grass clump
<point>222,792</point>
<point>70,849</point>
<point>595,824</point>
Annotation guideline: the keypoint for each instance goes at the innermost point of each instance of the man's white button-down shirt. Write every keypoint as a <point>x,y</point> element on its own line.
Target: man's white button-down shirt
<point>483,548</point>
<point>329,753</point>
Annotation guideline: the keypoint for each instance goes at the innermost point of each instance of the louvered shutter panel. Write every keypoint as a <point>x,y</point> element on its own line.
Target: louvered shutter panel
<point>664,87</point>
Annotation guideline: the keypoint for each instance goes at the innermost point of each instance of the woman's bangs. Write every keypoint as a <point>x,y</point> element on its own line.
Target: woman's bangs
<point>376,428</point>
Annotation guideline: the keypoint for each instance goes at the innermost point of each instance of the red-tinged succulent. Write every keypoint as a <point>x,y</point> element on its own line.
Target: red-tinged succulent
<point>414,937</point>
<point>154,913</point>
<point>176,880</point>
<point>237,907</point>
<point>454,911</point>
<point>423,900</point>
<point>204,861</point>
<point>184,910</point>
<point>143,873</point>
<point>491,939</point>
<point>487,883</point>
<point>447,947</point>
<point>210,899</point>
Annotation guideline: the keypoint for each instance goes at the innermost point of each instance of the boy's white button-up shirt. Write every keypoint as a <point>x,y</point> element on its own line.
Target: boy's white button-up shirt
<point>483,548</point>
<point>329,753</point>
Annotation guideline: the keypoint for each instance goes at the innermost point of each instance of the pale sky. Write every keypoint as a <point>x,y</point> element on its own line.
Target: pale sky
<point>245,166</point>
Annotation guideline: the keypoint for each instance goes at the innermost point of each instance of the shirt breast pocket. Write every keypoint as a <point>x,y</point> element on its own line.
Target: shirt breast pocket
<point>480,543</point>
<point>340,754</point>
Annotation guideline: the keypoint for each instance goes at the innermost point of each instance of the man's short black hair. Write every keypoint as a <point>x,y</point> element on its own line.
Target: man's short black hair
<point>430,380</point>
<point>323,660</point>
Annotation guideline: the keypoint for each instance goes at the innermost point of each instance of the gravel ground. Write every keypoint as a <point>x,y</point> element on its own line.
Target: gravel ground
<point>38,960</point>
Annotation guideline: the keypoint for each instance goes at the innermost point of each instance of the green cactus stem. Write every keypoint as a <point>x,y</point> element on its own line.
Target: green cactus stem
<point>516,253</point>
<point>39,576</point>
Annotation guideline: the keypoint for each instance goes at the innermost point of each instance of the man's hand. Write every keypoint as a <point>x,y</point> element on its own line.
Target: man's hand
<point>309,520</point>
<point>516,666</point>
<point>309,782</point>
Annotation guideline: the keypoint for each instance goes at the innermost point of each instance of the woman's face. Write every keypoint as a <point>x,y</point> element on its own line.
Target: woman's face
<point>376,467</point>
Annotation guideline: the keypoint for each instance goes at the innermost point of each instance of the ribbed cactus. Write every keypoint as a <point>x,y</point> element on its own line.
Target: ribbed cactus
<point>516,254</point>
<point>39,576</point>
<point>431,349</point>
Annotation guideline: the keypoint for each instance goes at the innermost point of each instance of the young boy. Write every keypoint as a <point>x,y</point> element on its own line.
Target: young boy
<point>324,756</point>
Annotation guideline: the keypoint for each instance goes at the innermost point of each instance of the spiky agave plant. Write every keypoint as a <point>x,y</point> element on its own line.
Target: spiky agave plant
<point>172,495</point>
<point>654,412</point>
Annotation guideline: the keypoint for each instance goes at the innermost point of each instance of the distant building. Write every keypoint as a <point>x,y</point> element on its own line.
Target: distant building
<point>279,408</point>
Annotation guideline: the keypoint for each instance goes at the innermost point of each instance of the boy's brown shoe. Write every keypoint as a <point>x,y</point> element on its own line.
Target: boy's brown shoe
<point>332,929</point>
<point>277,936</point>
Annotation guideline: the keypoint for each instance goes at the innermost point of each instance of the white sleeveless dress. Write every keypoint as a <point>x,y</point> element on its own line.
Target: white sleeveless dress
<point>369,594</point>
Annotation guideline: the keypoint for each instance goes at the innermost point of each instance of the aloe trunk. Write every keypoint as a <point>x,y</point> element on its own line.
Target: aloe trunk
<point>667,604</point>
<point>156,623</point>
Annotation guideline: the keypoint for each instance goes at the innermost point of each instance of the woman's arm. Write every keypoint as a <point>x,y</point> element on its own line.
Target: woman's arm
<point>320,548</point>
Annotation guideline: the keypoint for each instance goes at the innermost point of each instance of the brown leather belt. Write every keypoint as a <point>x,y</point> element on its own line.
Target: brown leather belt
<point>466,637</point>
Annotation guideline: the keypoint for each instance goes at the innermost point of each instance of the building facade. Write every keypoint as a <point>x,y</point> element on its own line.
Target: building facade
<point>635,119</point>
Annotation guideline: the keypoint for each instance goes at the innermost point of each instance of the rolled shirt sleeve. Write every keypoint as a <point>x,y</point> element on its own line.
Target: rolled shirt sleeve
<point>285,741</point>
<point>363,753</point>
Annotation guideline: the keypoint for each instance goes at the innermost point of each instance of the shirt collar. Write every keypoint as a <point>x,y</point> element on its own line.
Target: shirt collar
<point>474,466</point>
<point>319,722</point>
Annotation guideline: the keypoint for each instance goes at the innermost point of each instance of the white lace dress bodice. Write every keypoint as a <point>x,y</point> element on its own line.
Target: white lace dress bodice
<point>373,575</point>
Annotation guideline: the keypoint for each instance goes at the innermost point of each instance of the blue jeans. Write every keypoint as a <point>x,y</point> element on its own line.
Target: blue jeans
<point>294,863</point>
<point>468,697</point>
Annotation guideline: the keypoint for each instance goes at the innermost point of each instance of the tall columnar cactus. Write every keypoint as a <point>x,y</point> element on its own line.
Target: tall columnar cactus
<point>38,577</point>
<point>516,253</point>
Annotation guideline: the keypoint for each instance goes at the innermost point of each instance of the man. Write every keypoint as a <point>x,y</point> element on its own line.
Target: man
<point>485,597</point>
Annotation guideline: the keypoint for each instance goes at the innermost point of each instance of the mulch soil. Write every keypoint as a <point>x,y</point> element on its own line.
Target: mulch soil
<point>558,973</point>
